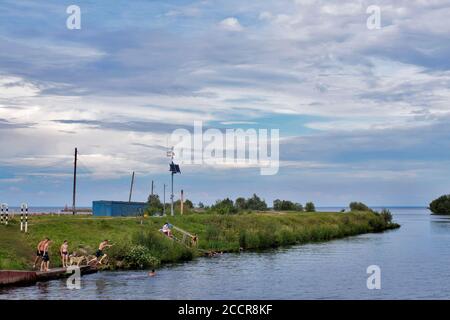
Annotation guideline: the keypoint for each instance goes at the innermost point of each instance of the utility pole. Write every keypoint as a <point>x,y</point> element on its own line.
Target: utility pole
<point>131,187</point>
<point>174,169</point>
<point>181,201</point>
<point>171,198</point>
<point>164,207</point>
<point>152,188</point>
<point>74,182</point>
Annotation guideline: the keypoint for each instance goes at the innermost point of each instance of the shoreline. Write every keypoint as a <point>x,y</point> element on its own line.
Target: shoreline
<point>142,246</point>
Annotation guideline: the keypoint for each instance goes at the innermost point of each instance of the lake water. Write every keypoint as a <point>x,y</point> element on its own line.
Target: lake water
<point>414,262</point>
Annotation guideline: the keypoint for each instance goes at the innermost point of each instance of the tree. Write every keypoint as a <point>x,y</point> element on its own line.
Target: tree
<point>387,215</point>
<point>201,205</point>
<point>240,203</point>
<point>286,205</point>
<point>310,207</point>
<point>256,203</point>
<point>358,206</point>
<point>154,204</point>
<point>225,206</point>
<point>187,206</point>
<point>441,205</point>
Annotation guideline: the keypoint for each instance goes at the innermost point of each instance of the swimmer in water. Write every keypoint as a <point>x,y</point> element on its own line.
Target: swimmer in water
<point>152,273</point>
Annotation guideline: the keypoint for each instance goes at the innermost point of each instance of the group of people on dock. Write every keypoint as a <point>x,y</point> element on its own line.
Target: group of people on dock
<point>42,254</point>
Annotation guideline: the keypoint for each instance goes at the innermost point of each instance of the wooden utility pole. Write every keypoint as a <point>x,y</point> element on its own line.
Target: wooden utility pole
<point>164,207</point>
<point>181,202</point>
<point>74,182</point>
<point>131,187</point>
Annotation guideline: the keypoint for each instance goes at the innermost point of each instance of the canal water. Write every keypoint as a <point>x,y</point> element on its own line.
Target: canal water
<point>414,262</point>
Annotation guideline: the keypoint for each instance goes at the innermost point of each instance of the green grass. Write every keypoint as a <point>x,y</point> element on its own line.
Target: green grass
<point>216,232</point>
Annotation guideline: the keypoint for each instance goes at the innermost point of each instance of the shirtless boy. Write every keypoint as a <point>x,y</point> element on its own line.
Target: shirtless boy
<point>99,254</point>
<point>39,251</point>
<point>64,253</point>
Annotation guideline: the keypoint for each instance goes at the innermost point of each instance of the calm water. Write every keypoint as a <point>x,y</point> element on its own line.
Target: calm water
<point>414,261</point>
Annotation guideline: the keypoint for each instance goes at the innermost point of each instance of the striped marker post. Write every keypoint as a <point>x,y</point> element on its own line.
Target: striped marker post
<point>7,216</point>
<point>21,218</point>
<point>1,213</point>
<point>26,218</point>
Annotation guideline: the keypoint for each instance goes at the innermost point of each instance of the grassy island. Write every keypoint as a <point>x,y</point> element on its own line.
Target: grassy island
<point>139,244</point>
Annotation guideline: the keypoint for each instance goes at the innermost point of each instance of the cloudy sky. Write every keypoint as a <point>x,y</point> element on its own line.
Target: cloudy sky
<point>363,114</point>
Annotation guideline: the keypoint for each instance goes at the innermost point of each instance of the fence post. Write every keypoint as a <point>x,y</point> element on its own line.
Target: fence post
<point>21,218</point>
<point>24,225</point>
<point>26,219</point>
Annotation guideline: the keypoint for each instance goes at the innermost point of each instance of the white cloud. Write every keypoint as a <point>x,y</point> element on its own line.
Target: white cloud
<point>231,24</point>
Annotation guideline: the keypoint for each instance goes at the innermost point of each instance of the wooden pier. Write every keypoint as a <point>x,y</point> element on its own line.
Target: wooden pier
<point>21,278</point>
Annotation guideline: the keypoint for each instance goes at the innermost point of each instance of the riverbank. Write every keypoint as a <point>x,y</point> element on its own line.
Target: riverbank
<point>139,244</point>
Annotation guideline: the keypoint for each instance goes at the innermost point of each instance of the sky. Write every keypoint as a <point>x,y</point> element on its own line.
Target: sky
<point>362,113</point>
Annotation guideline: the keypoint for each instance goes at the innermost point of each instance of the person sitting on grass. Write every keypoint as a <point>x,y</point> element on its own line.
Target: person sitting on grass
<point>45,264</point>
<point>64,253</point>
<point>166,230</point>
<point>99,254</point>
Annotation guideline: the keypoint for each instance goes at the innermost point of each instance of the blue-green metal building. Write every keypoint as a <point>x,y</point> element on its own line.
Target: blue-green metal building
<point>118,208</point>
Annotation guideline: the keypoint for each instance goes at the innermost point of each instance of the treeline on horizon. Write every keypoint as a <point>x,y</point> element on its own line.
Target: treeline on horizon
<point>241,204</point>
<point>228,206</point>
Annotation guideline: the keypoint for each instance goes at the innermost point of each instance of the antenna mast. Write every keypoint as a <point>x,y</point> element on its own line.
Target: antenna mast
<point>74,182</point>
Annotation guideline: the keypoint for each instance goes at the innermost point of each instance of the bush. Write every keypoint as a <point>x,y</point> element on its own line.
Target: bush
<point>256,203</point>
<point>241,204</point>
<point>286,205</point>
<point>441,205</point>
<point>140,257</point>
<point>225,206</point>
<point>310,207</point>
<point>154,205</point>
<point>386,215</point>
<point>161,247</point>
<point>358,206</point>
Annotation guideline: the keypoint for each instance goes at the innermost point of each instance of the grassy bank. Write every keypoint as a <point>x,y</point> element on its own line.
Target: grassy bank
<point>142,245</point>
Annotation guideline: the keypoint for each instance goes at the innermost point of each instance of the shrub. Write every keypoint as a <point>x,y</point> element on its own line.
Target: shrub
<point>256,203</point>
<point>286,205</point>
<point>154,205</point>
<point>161,247</point>
<point>140,257</point>
<point>241,203</point>
<point>386,215</point>
<point>310,207</point>
<point>358,206</point>
<point>441,205</point>
<point>225,206</point>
